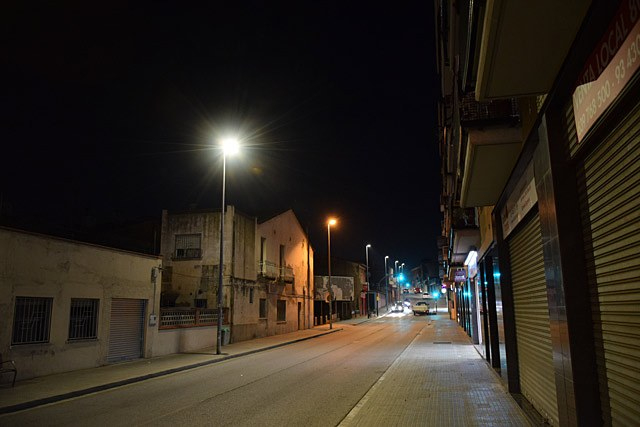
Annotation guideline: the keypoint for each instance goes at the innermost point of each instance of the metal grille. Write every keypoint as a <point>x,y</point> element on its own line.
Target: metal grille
<point>83,319</point>
<point>126,336</point>
<point>611,195</point>
<point>31,320</point>
<point>282,311</point>
<point>533,330</point>
<point>188,246</point>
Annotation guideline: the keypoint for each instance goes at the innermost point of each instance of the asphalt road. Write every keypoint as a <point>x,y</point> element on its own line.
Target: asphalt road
<point>315,382</point>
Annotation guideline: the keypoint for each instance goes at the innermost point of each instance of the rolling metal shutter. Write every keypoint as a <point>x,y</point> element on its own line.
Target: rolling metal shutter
<point>126,336</point>
<point>611,200</point>
<point>533,336</point>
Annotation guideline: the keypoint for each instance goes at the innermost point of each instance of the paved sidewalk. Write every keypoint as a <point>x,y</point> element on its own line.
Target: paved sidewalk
<point>439,380</point>
<point>52,388</point>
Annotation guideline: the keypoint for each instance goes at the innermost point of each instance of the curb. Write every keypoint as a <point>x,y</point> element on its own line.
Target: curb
<point>57,398</point>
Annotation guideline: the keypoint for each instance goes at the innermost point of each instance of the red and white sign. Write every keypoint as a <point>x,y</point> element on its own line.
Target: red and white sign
<point>610,67</point>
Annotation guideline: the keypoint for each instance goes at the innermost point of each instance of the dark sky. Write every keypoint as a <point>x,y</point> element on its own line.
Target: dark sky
<point>109,112</point>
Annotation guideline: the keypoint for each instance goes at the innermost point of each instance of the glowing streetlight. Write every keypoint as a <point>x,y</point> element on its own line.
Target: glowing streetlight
<point>229,146</point>
<point>330,222</point>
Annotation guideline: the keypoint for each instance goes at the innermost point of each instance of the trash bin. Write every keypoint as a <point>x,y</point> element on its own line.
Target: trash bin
<point>225,336</point>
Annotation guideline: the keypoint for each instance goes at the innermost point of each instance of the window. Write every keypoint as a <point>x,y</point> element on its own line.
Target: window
<point>263,308</point>
<point>187,246</point>
<point>83,319</point>
<point>250,295</point>
<point>31,320</point>
<point>282,262</point>
<point>282,311</point>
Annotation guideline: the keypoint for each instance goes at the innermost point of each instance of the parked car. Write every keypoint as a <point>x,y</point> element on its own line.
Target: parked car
<point>421,307</point>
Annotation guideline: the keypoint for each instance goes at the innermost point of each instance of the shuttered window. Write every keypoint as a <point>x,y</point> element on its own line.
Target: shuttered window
<point>188,246</point>
<point>610,186</point>
<point>531,307</point>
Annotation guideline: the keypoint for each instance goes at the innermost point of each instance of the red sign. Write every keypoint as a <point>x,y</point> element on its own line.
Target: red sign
<point>612,65</point>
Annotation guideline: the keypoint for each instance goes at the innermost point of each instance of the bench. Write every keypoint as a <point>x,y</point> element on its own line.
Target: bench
<point>7,366</point>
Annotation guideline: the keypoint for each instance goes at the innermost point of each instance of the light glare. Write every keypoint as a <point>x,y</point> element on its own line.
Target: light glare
<point>230,146</point>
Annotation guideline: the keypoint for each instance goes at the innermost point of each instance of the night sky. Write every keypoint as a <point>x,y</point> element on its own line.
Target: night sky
<point>109,113</point>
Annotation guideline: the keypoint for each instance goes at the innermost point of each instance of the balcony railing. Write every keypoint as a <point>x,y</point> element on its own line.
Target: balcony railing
<point>286,273</point>
<point>495,110</point>
<point>268,269</point>
<point>173,318</point>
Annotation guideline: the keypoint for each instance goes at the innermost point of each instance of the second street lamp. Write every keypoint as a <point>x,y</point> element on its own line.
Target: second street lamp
<point>366,251</point>
<point>386,283</point>
<point>332,221</point>
<point>229,146</point>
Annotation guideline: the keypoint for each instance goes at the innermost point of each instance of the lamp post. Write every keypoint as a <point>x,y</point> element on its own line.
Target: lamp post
<point>229,146</point>
<point>331,222</point>
<point>386,285</point>
<point>366,251</point>
<point>395,272</point>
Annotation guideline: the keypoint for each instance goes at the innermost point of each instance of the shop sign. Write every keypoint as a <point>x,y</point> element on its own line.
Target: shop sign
<point>610,67</point>
<point>460,276</point>
<point>520,202</point>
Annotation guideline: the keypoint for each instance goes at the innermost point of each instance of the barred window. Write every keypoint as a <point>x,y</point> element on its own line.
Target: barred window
<point>250,295</point>
<point>31,320</point>
<point>263,308</point>
<point>282,311</point>
<point>188,246</point>
<point>83,319</point>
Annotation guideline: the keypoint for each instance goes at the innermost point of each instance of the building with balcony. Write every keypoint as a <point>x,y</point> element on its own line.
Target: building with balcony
<point>267,273</point>
<point>538,133</point>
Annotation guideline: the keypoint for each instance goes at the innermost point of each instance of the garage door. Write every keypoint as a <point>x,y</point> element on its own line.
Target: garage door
<point>126,338</point>
<point>537,380</point>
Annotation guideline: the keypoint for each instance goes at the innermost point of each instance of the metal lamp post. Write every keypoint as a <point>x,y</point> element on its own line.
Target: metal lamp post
<point>366,251</point>
<point>331,222</point>
<point>395,272</point>
<point>386,285</point>
<point>229,146</point>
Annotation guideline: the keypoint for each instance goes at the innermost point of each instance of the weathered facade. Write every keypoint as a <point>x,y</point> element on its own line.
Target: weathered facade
<point>285,275</point>
<point>268,268</point>
<point>68,305</point>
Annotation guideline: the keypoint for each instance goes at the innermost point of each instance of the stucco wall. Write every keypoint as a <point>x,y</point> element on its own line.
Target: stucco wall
<point>170,341</point>
<point>33,265</point>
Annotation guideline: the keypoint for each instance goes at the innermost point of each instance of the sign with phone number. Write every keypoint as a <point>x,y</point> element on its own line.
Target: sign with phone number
<point>591,99</point>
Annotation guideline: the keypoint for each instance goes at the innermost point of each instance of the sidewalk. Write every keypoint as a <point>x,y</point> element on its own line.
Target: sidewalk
<point>52,388</point>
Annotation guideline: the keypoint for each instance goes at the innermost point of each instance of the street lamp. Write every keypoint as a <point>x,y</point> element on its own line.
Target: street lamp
<point>229,146</point>
<point>366,251</point>
<point>386,276</point>
<point>395,271</point>
<point>332,221</point>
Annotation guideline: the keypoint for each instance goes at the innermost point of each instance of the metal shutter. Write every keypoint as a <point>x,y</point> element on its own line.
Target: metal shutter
<point>126,336</point>
<point>611,197</point>
<point>533,335</point>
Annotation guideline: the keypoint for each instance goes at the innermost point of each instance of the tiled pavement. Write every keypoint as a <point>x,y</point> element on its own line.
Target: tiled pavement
<point>439,380</point>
